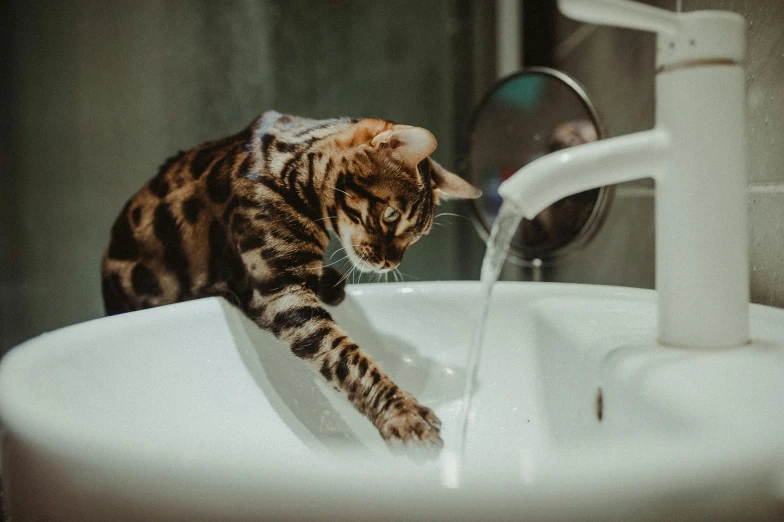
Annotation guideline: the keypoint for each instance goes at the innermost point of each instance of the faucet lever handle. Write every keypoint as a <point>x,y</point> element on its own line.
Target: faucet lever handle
<point>621,13</point>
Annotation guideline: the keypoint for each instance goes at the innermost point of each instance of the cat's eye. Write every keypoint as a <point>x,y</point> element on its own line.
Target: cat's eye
<point>391,215</point>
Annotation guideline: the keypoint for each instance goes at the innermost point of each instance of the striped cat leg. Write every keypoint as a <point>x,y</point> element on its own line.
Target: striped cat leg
<point>294,315</point>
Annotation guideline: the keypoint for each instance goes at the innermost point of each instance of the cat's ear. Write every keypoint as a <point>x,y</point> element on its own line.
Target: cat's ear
<point>408,144</point>
<point>449,185</point>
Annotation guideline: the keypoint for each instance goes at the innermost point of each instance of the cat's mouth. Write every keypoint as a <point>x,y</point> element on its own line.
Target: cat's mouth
<point>362,264</point>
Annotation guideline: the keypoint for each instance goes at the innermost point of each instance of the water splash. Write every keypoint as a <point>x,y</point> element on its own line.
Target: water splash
<point>504,228</point>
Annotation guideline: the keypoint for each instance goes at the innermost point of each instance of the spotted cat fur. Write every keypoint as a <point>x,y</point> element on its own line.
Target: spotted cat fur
<point>248,218</point>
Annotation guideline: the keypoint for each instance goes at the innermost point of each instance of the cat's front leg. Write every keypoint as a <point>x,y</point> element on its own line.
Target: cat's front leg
<point>332,286</point>
<point>291,310</point>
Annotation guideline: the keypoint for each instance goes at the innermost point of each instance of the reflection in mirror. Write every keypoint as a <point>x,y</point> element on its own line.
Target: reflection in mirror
<point>525,116</point>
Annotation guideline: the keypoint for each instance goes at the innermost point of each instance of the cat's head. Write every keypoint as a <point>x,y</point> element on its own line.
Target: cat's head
<point>386,192</point>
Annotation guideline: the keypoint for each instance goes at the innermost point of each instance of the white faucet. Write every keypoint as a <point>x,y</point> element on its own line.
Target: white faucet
<point>696,153</point>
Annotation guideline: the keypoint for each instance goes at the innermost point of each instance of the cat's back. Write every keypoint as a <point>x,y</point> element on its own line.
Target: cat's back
<point>158,242</point>
<point>205,176</point>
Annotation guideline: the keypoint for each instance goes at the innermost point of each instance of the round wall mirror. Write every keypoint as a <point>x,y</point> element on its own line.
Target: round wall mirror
<point>523,117</point>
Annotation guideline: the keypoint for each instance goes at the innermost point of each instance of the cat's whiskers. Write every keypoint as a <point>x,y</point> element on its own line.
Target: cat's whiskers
<point>344,276</point>
<point>330,264</point>
<point>444,222</point>
<point>354,246</point>
<point>351,272</point>
<point>336,251</point>
<point>339,190</point>
<point>449,214</point>
<point>405,274</point>
<point>359,272</point>
<point>348,274</point>
<point>324,218</point>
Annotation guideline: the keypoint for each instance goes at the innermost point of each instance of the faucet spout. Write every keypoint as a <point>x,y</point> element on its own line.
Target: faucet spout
<point>607,162</point>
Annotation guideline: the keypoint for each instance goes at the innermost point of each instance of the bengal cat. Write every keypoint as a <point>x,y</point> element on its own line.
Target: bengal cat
<point>248,217</point>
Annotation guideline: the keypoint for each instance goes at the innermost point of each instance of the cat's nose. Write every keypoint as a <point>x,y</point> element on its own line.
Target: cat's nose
<point>391,264</point>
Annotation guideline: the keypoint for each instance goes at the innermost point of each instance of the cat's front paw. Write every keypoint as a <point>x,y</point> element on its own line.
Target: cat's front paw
<point>331,286</point>
<point>409,424</point>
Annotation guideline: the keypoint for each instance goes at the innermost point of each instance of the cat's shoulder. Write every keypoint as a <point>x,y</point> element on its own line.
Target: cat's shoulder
<point>290,125</point>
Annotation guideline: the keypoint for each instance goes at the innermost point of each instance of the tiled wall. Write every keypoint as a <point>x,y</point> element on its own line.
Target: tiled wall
<point>96,94</point>
<point>616,66</point>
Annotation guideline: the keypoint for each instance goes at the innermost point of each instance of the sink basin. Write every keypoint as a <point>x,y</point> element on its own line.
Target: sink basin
<point>189,411</point>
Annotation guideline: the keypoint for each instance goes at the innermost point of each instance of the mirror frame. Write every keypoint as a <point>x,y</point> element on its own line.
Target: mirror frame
<point>603,200</point>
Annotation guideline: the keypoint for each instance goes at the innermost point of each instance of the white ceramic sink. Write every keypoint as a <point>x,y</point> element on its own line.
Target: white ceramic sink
<point>191,412</point>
